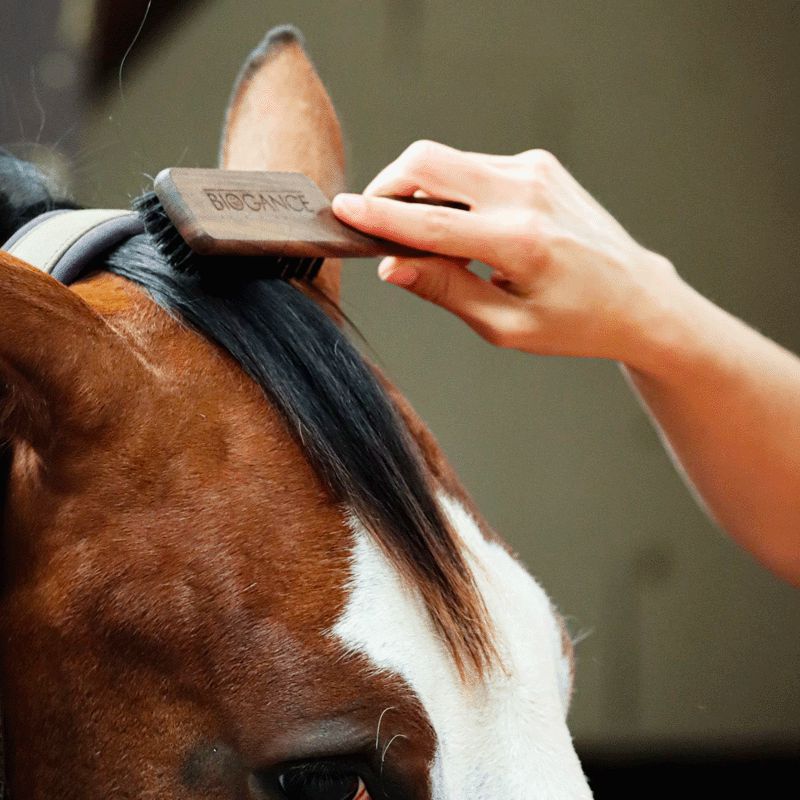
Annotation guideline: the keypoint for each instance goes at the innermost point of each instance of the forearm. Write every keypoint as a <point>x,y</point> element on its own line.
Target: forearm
<point>727,402</point>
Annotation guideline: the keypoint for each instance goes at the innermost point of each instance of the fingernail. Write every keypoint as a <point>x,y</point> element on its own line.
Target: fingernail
<point>349,204</point>
<point>398,274</point>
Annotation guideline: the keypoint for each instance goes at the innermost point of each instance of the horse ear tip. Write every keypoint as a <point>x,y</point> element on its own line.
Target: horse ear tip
<point>275,40</point>
<point>278,37</point>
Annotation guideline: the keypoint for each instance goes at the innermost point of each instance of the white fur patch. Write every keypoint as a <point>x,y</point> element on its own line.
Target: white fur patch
<point>504,740</point>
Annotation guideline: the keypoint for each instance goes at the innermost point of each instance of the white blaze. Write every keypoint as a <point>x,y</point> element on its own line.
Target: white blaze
<point>504,740</point>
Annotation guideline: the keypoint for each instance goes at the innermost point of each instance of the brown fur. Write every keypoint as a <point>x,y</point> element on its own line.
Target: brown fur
<point>168,585</point>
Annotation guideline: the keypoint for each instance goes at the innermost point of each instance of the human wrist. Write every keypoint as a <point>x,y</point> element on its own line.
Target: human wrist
<point>668,323</point>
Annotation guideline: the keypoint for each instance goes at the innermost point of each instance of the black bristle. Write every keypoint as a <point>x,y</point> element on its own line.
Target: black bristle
<point>313,269</point>
<point>172,246</point>
<point>164,234</point>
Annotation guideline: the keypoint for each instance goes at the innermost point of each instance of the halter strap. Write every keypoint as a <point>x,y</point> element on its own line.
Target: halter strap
<point>64,243</point>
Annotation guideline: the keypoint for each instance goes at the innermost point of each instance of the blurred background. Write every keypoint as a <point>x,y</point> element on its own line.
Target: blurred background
<point>683,118</point>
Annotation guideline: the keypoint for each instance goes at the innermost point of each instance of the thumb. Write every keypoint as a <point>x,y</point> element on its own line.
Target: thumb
<point>448,283</point>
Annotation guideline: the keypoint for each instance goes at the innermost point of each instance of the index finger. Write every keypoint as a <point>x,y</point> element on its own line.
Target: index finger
<point>438,229</point>
<point>437,169</point>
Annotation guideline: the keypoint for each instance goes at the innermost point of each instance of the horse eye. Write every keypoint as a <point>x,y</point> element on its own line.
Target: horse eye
<point>302,785</point>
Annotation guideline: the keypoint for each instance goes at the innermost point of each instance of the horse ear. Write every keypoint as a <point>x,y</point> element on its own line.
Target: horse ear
<point>281,118</point>
<point>62,367</point>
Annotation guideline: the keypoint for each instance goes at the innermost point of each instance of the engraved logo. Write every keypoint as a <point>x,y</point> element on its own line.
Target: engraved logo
<point>270,202</point>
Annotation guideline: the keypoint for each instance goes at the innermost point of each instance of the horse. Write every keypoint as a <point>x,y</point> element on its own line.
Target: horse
<point>235,563</point>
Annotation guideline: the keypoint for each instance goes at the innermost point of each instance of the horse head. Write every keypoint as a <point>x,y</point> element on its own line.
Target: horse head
<point>235,563</point>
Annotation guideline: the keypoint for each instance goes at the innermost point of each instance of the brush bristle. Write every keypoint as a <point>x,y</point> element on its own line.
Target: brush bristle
<point>164,234</point>
<point>172,246</point>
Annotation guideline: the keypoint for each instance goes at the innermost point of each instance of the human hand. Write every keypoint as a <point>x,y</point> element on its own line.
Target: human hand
<point>567,278</point>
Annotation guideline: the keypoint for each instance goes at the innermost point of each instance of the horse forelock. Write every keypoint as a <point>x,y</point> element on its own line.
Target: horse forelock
<point>348,427</point>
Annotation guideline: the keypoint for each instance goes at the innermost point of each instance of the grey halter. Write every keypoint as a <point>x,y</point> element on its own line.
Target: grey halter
<point>64,244</point>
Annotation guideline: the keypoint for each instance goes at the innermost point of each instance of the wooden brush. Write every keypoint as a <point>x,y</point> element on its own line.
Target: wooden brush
<point>280,218</point>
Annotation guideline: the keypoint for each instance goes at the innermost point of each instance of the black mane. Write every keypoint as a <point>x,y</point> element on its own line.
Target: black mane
<point>292,349</point>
